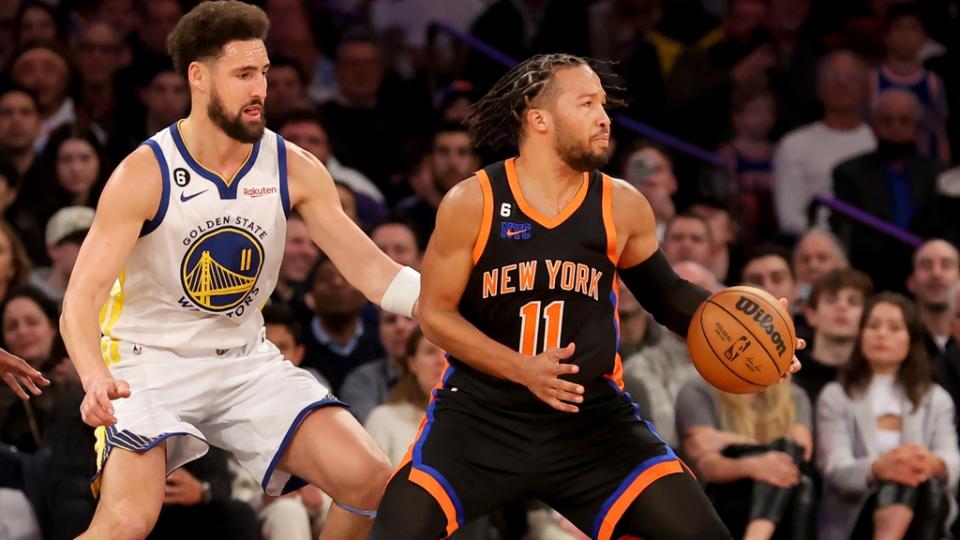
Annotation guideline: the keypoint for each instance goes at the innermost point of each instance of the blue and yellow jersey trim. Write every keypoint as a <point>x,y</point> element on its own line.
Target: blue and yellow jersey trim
<point>109,315</point>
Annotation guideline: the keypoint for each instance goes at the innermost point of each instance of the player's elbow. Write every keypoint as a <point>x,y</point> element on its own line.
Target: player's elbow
<point>431,319</point>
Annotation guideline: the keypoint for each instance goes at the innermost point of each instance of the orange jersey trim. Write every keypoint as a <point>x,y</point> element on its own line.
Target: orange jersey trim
<point>435,490</point>
<point>617,374</point>
<point>533,213</point>
<point>487,219</point>
<point>639,484</point>
<point>608,223</point>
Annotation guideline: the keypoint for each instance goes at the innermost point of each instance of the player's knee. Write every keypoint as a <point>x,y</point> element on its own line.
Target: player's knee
<point>364,487</point>
<point>375,479</point>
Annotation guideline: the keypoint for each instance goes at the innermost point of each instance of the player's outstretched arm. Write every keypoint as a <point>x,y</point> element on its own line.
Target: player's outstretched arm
<point>446,269</point>
<point>131,197</point>
<point>645,270</point>
<point>314,195</point>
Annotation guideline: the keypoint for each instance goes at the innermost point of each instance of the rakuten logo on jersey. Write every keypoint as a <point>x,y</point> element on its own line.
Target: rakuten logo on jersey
<point>254,192</point>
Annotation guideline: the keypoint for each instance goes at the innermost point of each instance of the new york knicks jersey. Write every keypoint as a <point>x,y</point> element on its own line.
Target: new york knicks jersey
<point>542,282</point>
<point>203,267</point>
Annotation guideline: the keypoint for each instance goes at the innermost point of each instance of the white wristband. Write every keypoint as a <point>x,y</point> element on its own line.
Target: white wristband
<point>402,292</point>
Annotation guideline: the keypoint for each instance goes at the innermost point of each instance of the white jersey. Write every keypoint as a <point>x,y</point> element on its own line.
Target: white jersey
<point>205,265</point>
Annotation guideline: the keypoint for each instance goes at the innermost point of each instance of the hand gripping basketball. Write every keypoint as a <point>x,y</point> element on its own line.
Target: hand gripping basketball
<point>541,374</point>
<point>96,409</point>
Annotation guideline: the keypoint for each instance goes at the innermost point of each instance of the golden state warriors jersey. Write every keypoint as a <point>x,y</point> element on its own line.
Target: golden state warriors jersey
<point>208,260</point>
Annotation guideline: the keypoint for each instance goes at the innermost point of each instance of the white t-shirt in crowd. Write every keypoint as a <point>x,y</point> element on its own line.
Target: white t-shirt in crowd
<point>803,167</point>
<point>886,398</point>
<point>394,426</point>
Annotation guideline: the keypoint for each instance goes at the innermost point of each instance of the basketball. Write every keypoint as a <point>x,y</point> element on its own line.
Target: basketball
<point>741,340</point>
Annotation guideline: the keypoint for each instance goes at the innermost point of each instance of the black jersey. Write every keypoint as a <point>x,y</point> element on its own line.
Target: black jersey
<point>542,282</point>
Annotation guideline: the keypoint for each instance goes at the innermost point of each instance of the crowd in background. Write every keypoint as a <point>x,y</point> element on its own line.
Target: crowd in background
<point>802,104</point>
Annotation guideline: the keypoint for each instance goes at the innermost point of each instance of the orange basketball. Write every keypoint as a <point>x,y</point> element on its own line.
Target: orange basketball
<point>741,340</point>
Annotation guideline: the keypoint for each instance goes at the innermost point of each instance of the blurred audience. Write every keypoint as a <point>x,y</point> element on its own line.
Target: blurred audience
<point>833,311</point>
<point>65,233</point>
<point>892,183</point>
<point>806,156</point>
<point>936,270</point>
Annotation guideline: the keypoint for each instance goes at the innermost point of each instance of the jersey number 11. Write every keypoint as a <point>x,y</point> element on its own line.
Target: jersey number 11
<point>530,326</point>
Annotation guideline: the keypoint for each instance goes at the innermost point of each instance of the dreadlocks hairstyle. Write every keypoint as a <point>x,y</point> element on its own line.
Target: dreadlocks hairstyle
<point>496,120</point>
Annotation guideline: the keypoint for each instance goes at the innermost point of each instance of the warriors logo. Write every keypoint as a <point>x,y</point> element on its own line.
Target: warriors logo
<point>221,268</point>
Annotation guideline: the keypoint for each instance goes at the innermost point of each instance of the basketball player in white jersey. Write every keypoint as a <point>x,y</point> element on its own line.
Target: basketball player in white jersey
<point>183,253</point>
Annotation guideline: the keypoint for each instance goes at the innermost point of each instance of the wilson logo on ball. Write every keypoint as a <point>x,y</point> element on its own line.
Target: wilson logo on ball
<point>764,320</point>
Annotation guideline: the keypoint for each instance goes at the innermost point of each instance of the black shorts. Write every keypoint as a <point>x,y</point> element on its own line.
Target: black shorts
<point>589,466</point>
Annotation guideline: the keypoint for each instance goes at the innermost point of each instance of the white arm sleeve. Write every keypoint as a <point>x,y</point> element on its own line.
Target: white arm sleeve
<point>402,292</point>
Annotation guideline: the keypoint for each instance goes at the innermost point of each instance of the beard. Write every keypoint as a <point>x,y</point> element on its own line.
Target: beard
<point>578,156</point>
<point>235,127</point>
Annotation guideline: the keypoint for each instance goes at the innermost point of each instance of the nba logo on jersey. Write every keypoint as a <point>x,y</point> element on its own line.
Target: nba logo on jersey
<point>515,231</point>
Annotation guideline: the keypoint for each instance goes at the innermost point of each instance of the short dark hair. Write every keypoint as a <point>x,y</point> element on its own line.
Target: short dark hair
<point>58,22</point>
<point>358,34</point>
<point>449,127</point>
<point>283,61</point>
<point>203,32</point>
<point>280,313</point>
<point>743,95</point>
<point>901,10</point>
<point>840,278</point>
<point>14,88</point>
<point>301,116</point>
<point>145,72</point>
<point>770,249</point>
<point>401,221</point>
<point>690,215</point>
<point>52,46</point>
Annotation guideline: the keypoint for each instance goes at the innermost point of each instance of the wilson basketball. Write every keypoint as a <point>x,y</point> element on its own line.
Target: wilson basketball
<point>741,340</point>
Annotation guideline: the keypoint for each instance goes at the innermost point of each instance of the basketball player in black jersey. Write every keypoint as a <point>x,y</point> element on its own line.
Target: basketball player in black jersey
<point>519,285</point>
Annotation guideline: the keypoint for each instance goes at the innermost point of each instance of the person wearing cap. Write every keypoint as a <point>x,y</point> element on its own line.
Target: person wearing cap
<point>64,234</point>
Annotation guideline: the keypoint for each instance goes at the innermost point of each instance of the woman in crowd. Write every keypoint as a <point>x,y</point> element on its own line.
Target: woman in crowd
<point>37,21</point>
<point>28,320</point>
<point>77,165</point>
<point>394,424</point>
<point>14,263</point>
<point>887,447</point>
<point>751,450</point>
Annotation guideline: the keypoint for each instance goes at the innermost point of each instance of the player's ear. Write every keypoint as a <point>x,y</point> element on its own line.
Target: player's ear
<point>198,75</point>
<point>538,119</point>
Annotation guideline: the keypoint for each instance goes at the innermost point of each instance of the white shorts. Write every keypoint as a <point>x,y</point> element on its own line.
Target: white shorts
<point>247,402</point>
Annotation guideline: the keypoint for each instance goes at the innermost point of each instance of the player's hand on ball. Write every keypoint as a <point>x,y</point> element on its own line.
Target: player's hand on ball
<point>541,374</point>
<point>96,409</point>
<point>801,344</point>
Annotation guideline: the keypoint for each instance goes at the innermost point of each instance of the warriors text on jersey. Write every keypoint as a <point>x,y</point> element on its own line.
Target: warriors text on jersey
<point>542,282</point>
<point>208,261</point>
